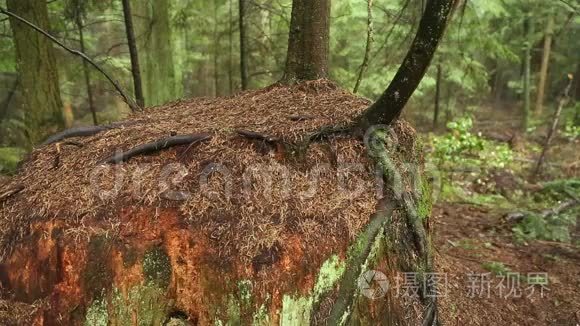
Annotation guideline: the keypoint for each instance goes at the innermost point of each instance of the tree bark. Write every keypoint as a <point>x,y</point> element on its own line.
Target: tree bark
<point>437,97</point>
<point>545,64</point>
<point>86,71</point>
<point>153,36</point>
<point>392,102</point>
<point>308,43</point>
<point>36,64</point>
<point>135,69</point>
<point>243,50</point>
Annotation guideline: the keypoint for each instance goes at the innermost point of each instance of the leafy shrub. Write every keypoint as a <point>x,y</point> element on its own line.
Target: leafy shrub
<point>461,146</point>
<point>555,228</point>
<point>9,158</point>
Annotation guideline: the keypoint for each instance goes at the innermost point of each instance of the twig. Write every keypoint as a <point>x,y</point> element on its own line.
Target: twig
<point>301,117</point>
<point>563,101</point>
<point>365,63</point>
<point>156,146</point>
<point>258,136</point>
<point>76,132</point>
<point>125,97</point>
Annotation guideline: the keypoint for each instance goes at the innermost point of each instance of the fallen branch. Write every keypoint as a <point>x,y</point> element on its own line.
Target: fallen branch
<point>300,117</point>
<point>257,136</point>
<point>517,217</point>
<point>329,131</point>
<point>10,192</point>
<point>156,146</point>
<point>125,97</point>
<point>561,103</point>
<point>76,132</point>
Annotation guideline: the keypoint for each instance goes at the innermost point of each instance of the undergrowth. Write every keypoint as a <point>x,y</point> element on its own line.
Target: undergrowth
<point>472,170</point>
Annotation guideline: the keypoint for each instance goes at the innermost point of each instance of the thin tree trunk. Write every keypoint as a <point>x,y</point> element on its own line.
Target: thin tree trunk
<point>152,28</point>
<point>231,48</point>
<point>437,97</point>
<point>86,71</point>
<point>577,83</point>
<point>392,102</point>
<point>243,50</point>
<point>135,69</point>
<point>44,33</point>
<point>561,103</point>
<point>527,71</point>
<point>37,69</point>
<point>545,64</point>
<point>215,50</point>
<point>308,43</point>
<point>365,64</point>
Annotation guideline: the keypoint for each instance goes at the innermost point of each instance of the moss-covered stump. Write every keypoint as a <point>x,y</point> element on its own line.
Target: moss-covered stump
<point>276,219</point>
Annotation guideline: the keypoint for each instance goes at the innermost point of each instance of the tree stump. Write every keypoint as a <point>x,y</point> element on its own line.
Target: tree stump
<point>282,229</point>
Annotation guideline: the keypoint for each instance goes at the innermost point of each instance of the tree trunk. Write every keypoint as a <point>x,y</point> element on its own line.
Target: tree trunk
<point>308,43</point>
<point>231,48</point>
<point>437,97</point>
<point>243,50</point>
<point>431,29</point>
<point>135,69</point>
<point>86,71</point>
<point>43,109</point>
<point>153,37</point>
<point>527,71</point>
<point>216,49</point>
<point>545,64</point>
<point>577,83</point>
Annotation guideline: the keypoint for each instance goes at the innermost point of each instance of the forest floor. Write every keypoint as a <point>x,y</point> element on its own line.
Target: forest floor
<point>472,240</point>
<point>489,275</point>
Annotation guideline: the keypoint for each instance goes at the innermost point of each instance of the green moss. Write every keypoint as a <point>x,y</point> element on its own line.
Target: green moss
<point>234,312</point>
<point>98,275</point>
<point>97,314</point>
<point>245,292</point>
<point>157,266</point>
<point>297,310</point>
<point>261,317</point>
<point>425,205</point>
<point>148,302</point>
<point>330,272</point>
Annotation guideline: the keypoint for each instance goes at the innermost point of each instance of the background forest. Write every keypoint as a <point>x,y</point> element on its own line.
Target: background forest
<point>192,48</point>
<point>498,111</point>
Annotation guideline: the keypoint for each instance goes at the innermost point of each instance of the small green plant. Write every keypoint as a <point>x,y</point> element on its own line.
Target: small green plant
<point>461,146</point>
<point>571,131</point>
<point>498,268</point>
<point>535,226</point>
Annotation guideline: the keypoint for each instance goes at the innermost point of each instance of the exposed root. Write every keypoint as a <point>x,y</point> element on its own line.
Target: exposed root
<point>76,132</point>
<point>156,146</point>
<point>257,136</point>
<point>10,192</point>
